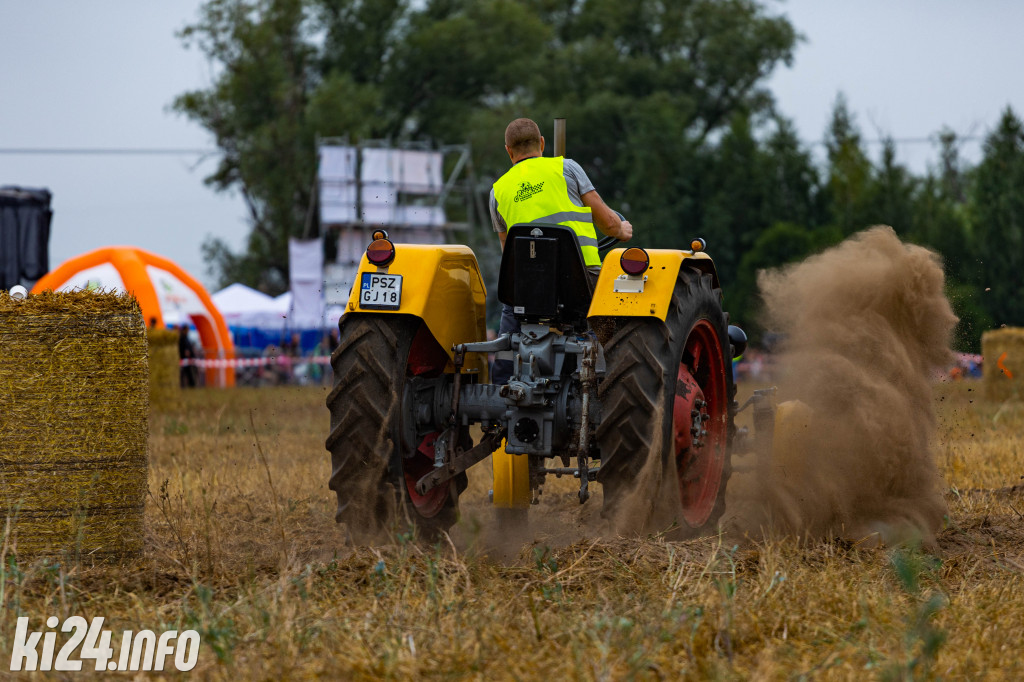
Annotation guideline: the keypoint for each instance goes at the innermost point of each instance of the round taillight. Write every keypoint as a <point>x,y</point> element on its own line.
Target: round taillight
<point>698,245</point>
<point>634,261</point>
<point>381,252</point>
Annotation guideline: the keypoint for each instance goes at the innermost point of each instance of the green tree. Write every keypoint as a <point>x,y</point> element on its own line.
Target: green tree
<point>939,221</point>
<point>255,111</point>
<point>996,221</point>
<point>650,88</point>
<point>735,189</point>
<point>458,57</point>
<point>792,182</point>
<point>270,98</point>
<point>891,192</point>
<point>950,167</point>
<point>758,195</point>
<point>939,213</point>
<point>849,171</point>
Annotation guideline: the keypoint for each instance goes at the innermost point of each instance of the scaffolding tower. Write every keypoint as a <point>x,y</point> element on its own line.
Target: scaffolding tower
<point>402,188</point>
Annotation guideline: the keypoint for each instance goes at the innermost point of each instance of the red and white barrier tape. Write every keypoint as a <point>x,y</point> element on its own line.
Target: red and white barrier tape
<point>280,361</point>
<point>288,361</point>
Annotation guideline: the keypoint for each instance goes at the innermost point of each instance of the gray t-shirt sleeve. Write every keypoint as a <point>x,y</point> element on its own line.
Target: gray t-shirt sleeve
<point>496,220</point>
<point>576,181</point>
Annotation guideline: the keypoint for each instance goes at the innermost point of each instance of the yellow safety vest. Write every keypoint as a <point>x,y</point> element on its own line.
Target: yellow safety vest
<point>534,191</point>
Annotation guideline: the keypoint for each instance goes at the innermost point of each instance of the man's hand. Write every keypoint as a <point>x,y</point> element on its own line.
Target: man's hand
<point>625,231</point>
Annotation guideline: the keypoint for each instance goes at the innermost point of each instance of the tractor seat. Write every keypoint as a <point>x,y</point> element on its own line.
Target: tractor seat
<point>543,276</point>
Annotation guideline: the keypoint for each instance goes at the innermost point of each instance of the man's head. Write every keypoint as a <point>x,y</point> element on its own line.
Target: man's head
<point>523,139</point>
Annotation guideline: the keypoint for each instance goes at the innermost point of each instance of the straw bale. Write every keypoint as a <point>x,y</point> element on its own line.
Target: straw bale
<point>74,414</point>
<point>1003,347</point>
<point>164,384</point>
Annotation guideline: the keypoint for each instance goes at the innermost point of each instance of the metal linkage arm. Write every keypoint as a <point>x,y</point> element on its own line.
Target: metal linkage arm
<point>460,462</point>
<point>503,342</point>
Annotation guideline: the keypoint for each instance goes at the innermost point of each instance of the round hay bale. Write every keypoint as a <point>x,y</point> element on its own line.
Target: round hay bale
<point>1002,370</point>
<point>74,425</point>
<point>164,386</point>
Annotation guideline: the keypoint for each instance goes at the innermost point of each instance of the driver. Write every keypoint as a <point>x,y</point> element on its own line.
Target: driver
<point>547,190</point>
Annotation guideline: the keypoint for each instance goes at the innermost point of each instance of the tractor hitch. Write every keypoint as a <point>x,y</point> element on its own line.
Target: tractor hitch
<point>460,462</point>
<point>558,472</point>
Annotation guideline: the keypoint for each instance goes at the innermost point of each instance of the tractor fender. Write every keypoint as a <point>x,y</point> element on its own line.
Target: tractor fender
<point>441,285</point>
<point>659,282</point>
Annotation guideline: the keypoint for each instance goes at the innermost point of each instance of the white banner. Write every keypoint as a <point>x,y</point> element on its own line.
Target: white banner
<point>379,204</point>
<point>418,172</point>
<point>337,181</point>
<point>382,175</point>
<point>305,274</point>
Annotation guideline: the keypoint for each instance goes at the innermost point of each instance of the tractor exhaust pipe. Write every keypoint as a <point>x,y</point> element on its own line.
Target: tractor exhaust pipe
<point>559,137</point>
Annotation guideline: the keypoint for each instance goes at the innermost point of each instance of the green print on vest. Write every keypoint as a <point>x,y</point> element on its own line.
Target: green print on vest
<point>526,190</point>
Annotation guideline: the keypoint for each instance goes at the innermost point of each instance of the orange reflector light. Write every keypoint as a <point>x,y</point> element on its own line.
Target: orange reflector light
<point>381,252</point>
<point>634,261</point>
<point>380,234</point>
<point>698,244</point>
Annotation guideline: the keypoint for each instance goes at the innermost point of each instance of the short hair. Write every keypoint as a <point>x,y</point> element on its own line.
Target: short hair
<point>522,135</point>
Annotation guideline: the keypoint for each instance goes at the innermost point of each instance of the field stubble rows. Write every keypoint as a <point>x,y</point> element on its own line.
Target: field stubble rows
<point>241,545</point>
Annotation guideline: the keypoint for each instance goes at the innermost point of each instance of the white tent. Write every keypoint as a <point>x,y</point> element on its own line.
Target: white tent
<point>283,303</point>
<point>243,306</point>
<point>238,298</point>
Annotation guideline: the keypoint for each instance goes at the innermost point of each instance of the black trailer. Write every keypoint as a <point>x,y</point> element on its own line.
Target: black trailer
<point>25,218</point>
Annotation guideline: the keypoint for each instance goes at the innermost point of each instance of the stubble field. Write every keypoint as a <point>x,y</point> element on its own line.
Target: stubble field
<point>241,546</point>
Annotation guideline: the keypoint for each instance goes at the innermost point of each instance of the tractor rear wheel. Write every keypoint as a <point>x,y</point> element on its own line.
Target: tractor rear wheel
<point>374,469</point>
<point>666,429</point>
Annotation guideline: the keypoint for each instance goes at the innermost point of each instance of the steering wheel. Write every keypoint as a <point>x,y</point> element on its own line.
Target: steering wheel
<point>607,242</point>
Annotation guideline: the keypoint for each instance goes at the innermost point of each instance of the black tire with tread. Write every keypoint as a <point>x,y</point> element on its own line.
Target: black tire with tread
<point>365,440</point>
<point>642,359</point>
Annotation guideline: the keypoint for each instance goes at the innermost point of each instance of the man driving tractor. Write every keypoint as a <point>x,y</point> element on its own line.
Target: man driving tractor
<point>632,372</point>
<point>547,190</point>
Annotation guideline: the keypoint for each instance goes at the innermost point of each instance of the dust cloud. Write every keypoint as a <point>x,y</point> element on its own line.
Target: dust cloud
<point>865,324</point>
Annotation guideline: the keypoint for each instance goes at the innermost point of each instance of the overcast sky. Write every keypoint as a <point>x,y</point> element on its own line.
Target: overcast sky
<point>100,74</point>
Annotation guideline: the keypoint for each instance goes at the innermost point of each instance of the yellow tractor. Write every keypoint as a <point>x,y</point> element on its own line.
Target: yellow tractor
<point>609,380</point>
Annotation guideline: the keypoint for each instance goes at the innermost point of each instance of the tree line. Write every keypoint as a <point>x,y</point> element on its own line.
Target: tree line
<point>668,113</point>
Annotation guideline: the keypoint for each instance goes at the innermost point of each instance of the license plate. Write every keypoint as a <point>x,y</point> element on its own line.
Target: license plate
<point>380,292</point>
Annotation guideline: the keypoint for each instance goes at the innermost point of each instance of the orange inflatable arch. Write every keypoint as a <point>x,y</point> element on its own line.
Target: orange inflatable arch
<point>163,291</point>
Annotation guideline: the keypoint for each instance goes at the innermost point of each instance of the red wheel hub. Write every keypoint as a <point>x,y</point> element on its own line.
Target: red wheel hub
<point>426,358</point>
<point>699,414</point>
<point>415,468</point>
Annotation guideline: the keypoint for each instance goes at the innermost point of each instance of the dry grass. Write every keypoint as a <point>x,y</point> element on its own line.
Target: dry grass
<point>241,546</point>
